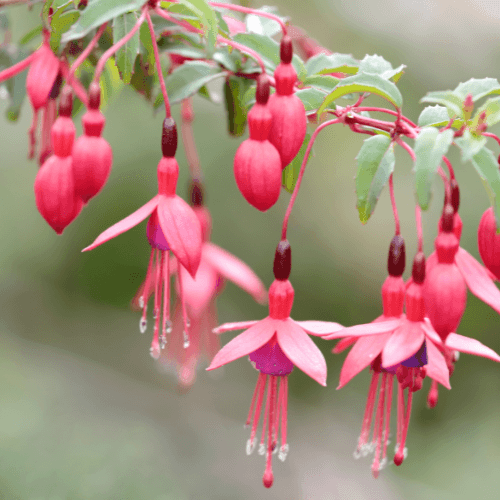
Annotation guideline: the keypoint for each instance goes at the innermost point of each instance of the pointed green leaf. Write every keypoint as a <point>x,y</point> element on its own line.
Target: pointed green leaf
<point>98,12</point>
<point>478,88</point>
<point>37,30</point>
<point>492,109</point>
<point>207,18</point>
<point>188,79</point>
<point>486,166</point>
<point>269,51</point>
<point>125,57</point>
<point>323,64</point>
<point>234,91</point>
<point>430,146</point>
<point>323,82</point>
<point>373,84</point>
<point>377,65</point>
<point>375,165</point>
<point>312,98</point>
<point>436,116</point>
<point>61,22</point>
<point>470,144</point>
<point>452,101</point>
<point>291,172</point>
<point>263,25</point>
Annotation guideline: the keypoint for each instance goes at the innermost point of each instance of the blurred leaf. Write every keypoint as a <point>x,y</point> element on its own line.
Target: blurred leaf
<point>333,63</point>
<point>146,48</point>
<point>223,27</point>
<point>292,170</point>
<point>375,165</point>
<point>373,84</point>
<point>110,83</point>
<point>16,86</point>
<point>478,88</point>
<point>377,65</point>
<point>98,12</point>
<point>487,167</point>
<point>184,50</point>
<point>451,100</point>
<point>430,147</point>
<point>187,79</point>
<point>4,22</point>
<point>142,80</point>
<point>312,98</point>
<point>37,30</point>
<point>470,144</point>
<point>269,51</point>
<point>323,82</point>
<point>208,19</point>
<point>229,59</point>
<point>125,56</point>
<point>61,22</point>
<point>492,109</point>
<point>263,25</point>
<point>436,116</point>
<point>234,91</point>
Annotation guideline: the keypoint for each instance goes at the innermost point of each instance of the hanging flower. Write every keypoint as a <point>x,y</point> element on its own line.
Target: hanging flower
<point>275,345</point>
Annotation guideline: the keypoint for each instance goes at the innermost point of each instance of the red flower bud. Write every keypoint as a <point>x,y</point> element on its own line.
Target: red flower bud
<point>55,193</point>
<point>489,242</point>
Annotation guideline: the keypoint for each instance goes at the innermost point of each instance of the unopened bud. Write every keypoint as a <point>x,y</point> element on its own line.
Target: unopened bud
<point>282,261</point>
<point>94,95</point>
<point>196,193</point>
<point>286,49</point>
<point>66,102</point>
<point>262,92</point>
<point>418,271</point>
<point>455,195</point>
<point>447,218</point>
<point>396,260</point>
<point>468,106</point>
<point>169,138</point>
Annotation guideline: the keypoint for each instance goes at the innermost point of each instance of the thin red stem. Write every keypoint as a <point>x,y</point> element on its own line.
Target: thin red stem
<point>450,167</point>
<point>17,68</point>
<point>114,48</point>
<point>487,134</point>
<point>394,207</point>
<point>389,111</point>
<point>301,174</point>
<point>418,222</point>
<point>158,64</point>
<point>379,426</point>
<point>408,149</point>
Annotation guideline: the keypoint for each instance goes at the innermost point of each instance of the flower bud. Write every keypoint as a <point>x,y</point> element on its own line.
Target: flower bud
<point>63,131</point>
<point>396,259</point>
<point>489,242</point>
<point>169,138</point>
<point>282,261</point>
<point>55,194</point>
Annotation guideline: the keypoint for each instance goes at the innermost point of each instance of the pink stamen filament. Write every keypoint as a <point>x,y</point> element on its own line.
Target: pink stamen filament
<point>393,203</point>
<point>147,284</point>
<point>268,474</point>
<point>367,418</point>
<point>401,412</point>
<point>277,414</point>
<point>166,299</point>
<point>398,459</point>
<point>258,407</point>
<point>114,48</point>
<point>389,388</point>
<point>301,174</point>
<point>158,64</point>
<point>284,414</point>
<point>183,303</point>
<point>262,447</point>
<point>379,427</point>
<point>254,398</point>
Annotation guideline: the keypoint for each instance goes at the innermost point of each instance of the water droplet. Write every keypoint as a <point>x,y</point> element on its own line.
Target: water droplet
<point>186,340</point>
<point>143,324</point>
<point>168,327</point>
<point>155,313</point>
<point>405,451</point>
<point>382,464</point>
<point>262,449</point>
<point>141,302</point>
<point>357,454</point>
<point>283,452</point>
<point>250,446</point>
<point>188,322</point>
<point>163,341</point>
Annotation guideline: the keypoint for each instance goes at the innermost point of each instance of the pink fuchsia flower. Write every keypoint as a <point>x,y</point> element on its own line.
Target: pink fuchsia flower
<point>275,345</point>
<point>172,227</point>
<point>409,348</point>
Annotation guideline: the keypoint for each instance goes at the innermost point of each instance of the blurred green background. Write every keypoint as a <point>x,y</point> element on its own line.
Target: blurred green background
<point>84,411</point>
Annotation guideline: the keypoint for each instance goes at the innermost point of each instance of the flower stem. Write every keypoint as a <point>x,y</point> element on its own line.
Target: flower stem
<point>418,221</point>
<point>17,68</point>
<point>394,207</point>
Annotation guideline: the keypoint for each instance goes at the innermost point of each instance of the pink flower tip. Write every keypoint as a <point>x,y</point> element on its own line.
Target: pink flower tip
<point>268,479</point>
<point>398,458</point>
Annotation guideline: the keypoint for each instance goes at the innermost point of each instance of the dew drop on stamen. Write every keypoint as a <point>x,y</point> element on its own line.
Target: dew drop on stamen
<point>143,324</point>
<point>155,313</point>
<point>168,327</point>
<point>283,453</point>
<point>186,339</point>
<point>357,454</point>
<point>141,302</point>
<point>163,341</point>
<point>275,449</point>
<point>188,322</point>
<point>155,353</point>
<point>262,449</point>
<point>250,446</point>
<point>383,464</point>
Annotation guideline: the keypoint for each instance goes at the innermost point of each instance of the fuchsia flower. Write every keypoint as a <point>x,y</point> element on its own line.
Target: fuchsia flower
<point>172,227</point>
<point>275,345</point>
<point>406,346</point>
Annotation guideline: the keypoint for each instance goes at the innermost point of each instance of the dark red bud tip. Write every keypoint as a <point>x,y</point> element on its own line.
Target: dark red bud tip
<point>455,195</point>
<point>268,479</point>
<point>396,260</point>
<point>447,218</point>
<point>169,138</point>
<point>418,271</point>
<point>398,458</point>
<point>56,87</point>
<point>262,93</point>
<point>94,95</point>
<point>286,49</point>
<point>282,261</point>
<point>196,193</point>
<point>66,102</point>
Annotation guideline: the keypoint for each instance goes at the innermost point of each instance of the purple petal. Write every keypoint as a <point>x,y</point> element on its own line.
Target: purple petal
<point>404,342</point>
<point>470,346</point>
<point>478,279</point>
<point>240,325</point>
<point>364,351</point>
<point>301,350</point>
<point>125,224</point>
<point>245,343</point>
<point>436,368</point>
<point>366,329</point>
<point>320,328</point>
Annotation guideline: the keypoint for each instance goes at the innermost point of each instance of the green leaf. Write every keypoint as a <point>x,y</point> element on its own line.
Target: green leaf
<point>263,25</point>
<point>436,116</point>
<point>487,167</point>
<point>452,101</point>
<point>125,57</point>
<point>269,51</point>
<point>16,86</point>
<point>187,79</point>
<point>375,165</point>
<point>37,30</point>
<point>4,22</point>
<point>470,144</point>
<point>291,172</point>
<point>324,82</point>
<point>478,88</point>
<point>228,59</point>
<point>312,98</point>
<point>223,27</point>
<point>184,50</point>
<point>110,83</point>
<point>377,65</point>
<point>146,47</point>
<point>61,22</point>
<point>207,18</point>
<point>234,91</point>
<point>373,84</point>
<point>492,109</point>
<point>98,12</point>
<point>334,63</point>
<point>430,147</point>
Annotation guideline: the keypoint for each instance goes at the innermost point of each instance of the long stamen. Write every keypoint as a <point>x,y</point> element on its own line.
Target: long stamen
<point>379,427</point>
<point>256,417</point>
<point>363,448</point>
<point>284,410</point>
<point>400,416</point>
<point>155,344</point>
<point>184,314</point>
<point>254,399</point>
<point>277,415</point>
<point>167,324</point>
<point>390,379</point>
<point>268,474</point>
<point>262,446</point>
<point>432,398</point>
<point>402,452</point>
<point>143,299</point>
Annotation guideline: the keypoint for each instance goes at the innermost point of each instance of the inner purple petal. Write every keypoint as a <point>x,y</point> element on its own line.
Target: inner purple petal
<point>417,360</point>
<point>155,235</point>
<point>271,360</point>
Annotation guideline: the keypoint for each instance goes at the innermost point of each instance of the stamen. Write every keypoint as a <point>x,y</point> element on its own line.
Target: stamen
<point>432,398</point>
<point>268,473</point>
<point>379,427</point>
<point>363,447</point>
<point>258,408</point>
<point>184,315</point>
<point>155,344</point>
<point>167,324</point>
<point>262,446</point>
<point>143,299</point>
<point>277,415</point>
<point>32,134</point>
<point>254,398</point>
<point>389,387</point>
<point>284,409</point>
<point>402,451</point>
<point>400,415</point>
